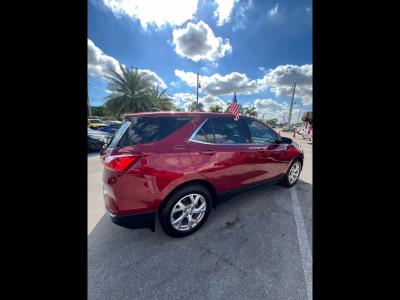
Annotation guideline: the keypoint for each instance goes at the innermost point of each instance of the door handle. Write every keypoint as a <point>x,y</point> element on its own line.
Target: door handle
<point>208,152</point>
<point>260,149</point>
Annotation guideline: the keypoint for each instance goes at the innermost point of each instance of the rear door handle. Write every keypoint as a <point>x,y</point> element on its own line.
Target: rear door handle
<point>208,152</point>
<point>260,149</point>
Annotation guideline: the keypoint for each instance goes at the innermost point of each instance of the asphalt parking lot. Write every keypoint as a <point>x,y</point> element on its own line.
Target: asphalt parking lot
<point>255,246</point>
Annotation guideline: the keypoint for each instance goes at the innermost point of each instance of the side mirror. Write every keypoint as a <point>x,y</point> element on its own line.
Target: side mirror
<point>278,139</point>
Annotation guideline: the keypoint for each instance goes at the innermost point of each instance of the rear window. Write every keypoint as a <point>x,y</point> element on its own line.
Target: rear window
<point>142,130</point>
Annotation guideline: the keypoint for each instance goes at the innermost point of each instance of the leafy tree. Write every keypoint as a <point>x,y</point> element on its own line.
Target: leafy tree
<point>215,108</point>
<point>130,91</point>
<point>272,122</point>
<point>97,111</point>
<point>193,106</point>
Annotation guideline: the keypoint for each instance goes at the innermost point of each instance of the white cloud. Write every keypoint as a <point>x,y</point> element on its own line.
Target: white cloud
<point>155,12</point>
<point>209,101</point>
<point>154,78</point>
<point>274,11</point>
<point>272,109</point>
<point>216,84</point>
<point>224,9</point>
<point>198,42</point>
<point>279,80</point>
<point>240,15</point>
<point>269,104</point>
<point>99,64</point>
<point>184,100</point>
<point>282,78</point>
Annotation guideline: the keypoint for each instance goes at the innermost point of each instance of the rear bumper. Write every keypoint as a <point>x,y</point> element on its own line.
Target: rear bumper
<point>146,220</point>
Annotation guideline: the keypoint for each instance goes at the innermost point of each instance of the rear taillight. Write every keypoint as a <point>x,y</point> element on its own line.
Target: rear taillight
<point>119,162</point>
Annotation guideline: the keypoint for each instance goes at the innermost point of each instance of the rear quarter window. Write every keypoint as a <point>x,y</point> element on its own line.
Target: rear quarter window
<point>146,130</point>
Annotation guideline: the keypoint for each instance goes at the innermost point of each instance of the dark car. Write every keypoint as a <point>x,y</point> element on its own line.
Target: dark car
<point>111,128</point>
<point>97,139</point>
<point>180,165</point>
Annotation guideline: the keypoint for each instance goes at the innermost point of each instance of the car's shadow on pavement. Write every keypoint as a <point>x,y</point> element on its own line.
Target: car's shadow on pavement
<point>247,249</point>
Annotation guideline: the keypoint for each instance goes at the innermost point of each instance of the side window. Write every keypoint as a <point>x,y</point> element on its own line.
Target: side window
<point>222,131</point>
<point>228,131</point>
<point>205,134</point>
<point>260,133</point>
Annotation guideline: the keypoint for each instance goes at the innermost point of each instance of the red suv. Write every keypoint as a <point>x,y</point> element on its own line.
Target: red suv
<point>179,165</point>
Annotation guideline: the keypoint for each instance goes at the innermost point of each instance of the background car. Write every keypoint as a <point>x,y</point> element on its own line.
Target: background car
<point>97,139</point>
<point>95,124</point>
<point>111,127</point>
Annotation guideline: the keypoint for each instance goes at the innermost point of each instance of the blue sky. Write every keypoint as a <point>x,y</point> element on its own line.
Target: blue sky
<point>256,48</point>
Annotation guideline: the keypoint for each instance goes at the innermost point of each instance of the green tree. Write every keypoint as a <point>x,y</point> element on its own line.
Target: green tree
<point>160,100</point>
<point>216,108</point>
<point>272,122</point>
<point>129,92</point>
<point>97,111</point>
<point>193,106</point>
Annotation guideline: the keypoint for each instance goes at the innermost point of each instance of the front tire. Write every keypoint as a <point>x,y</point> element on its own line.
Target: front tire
<point>292,174</point>
<point>186,211</point>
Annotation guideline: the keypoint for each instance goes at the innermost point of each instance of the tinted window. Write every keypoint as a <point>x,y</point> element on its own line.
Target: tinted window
<point>228,131</point>
<point>260,133</point>
<point>142,130</point>
<point>117,136</point>
<point>222,131</point>
<point>205,133</point>
<point>150,130</point>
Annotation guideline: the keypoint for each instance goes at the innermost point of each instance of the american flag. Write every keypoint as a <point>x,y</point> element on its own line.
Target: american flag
<point>234,109</point>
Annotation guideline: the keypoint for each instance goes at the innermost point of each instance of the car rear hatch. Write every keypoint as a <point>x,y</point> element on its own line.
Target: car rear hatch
<point>130,157</point>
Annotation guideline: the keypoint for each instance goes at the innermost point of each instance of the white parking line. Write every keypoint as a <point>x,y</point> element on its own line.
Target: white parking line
<point>303,242</point>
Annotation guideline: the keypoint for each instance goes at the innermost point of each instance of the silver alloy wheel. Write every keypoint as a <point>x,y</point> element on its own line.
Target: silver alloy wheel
<point>294,172</point>
<point>188,212</point>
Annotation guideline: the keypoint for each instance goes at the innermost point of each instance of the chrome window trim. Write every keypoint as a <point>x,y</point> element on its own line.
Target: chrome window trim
<point>191,138</point>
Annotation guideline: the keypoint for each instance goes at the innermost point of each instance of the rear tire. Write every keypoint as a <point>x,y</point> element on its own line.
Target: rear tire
<point>189,205</point>
<point>292,174</point>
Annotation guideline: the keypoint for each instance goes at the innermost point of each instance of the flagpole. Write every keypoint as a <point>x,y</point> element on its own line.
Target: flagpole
<point>197,91</point>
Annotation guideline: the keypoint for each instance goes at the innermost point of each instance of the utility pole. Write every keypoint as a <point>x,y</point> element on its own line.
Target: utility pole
<point>89,108</point>
<point>301,106</point>
<point>197,88</point>
<point>291,106</point>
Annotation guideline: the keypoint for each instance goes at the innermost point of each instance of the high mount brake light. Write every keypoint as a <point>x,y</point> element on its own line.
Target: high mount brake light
<point>119,162</point>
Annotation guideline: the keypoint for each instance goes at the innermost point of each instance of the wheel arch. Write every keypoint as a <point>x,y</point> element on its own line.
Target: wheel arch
<point>202,182</point>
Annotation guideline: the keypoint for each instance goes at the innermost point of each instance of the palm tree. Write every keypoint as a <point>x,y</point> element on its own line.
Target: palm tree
<point>193,106</point>
<point>250,111</point>
<point>129,92</point>
<point>160,100</point>
<point>215,108</point>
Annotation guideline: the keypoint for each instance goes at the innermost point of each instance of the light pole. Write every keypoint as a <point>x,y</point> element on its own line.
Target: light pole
<point>291,106</point>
